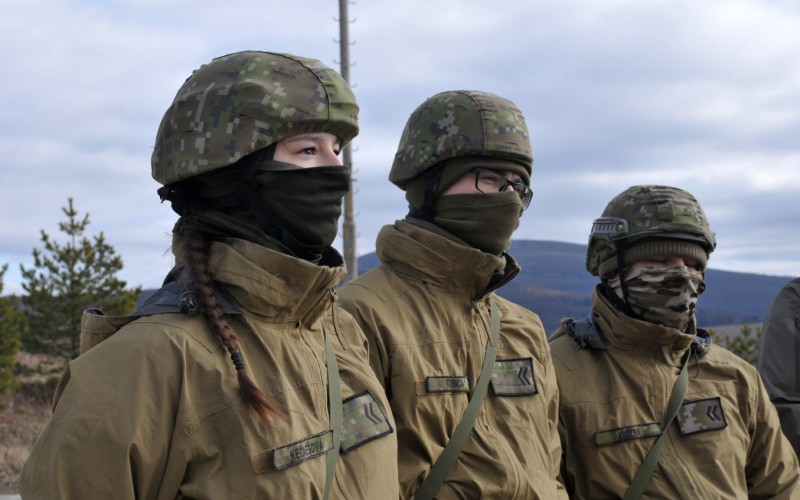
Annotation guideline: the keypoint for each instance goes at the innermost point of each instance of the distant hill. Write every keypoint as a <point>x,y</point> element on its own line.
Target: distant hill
<point>554,283</point>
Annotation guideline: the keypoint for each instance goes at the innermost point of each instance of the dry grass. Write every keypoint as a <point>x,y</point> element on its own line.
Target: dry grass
<point>21,420</point>
<point>24,414</point>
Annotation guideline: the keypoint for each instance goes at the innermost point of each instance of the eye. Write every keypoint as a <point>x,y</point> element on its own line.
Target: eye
<point>490,177</point>
<point>308,151</point>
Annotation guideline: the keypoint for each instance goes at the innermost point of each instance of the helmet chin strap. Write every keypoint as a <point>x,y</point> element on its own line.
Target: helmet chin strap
<point>432,177</point>
<point>621,304</point>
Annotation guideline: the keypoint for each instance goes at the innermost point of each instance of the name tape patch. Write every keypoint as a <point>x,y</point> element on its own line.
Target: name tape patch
<point>701,416</point>
<point>300,451</point>
<point>514,377</point>
<point>363,420</point>
<point>447,384</point>
<point>614,436</point>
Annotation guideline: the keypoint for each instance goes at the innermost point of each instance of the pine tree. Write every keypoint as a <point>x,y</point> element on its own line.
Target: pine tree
<point>66,279</point>
<point>745,344</point>
<point>12,324</point>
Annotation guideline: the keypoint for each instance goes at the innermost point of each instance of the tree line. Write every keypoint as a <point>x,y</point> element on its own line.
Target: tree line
<point>68,275</point>
<point>80,272</point>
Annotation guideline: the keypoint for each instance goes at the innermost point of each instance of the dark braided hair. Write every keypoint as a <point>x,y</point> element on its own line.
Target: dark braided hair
<point>195,252</point>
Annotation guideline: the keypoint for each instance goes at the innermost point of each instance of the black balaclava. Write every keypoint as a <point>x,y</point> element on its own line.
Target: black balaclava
<point>275,204</point>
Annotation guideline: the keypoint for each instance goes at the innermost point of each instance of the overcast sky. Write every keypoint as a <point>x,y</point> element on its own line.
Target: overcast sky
<point>701,95</point>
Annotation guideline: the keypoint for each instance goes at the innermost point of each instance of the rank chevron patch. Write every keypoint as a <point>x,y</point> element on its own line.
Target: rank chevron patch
<point>701,416</point>
<point>363,420</point>
<point>514,377</point>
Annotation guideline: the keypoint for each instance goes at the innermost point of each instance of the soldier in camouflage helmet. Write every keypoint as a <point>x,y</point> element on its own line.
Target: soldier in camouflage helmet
<point>640,348</point>
<point>430,310</point>
<point>241,376</point>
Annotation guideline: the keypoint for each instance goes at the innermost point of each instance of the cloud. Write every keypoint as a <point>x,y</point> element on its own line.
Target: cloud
<point>705,96</point>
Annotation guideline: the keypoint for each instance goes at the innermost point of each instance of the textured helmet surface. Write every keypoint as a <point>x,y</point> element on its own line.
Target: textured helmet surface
<point>651,213</point>
<point>243,102</point>
<point>460,123</point>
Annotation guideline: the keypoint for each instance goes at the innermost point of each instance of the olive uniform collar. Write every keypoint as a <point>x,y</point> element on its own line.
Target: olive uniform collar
<point>423,255</point>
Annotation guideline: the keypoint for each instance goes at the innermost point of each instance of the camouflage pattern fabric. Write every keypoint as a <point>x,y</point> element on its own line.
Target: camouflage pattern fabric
<point>662,296</point>
<point>649,212</point>
<point>514,377</point>
<point>243,102</point>
<point>362,421</point>
<point>701,416</point>
<point>461,123</point>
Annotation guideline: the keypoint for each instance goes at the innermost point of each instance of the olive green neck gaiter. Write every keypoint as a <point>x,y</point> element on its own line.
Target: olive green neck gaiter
<point>484,221</point>
<point>307,202</point>
<point>302,207</point>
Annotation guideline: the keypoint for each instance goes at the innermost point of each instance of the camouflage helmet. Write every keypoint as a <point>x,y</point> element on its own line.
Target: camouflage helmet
<point>461,123</point>
<point>649,221</point>
<point>243,102</point>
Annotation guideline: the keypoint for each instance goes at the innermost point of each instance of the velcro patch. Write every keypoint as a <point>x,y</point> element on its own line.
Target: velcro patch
<point>447,384</point>
<point>701,416</point>
<point>300,451</point>
<point>614,436</point>
<point>362,421</point>
<point>514,377</point>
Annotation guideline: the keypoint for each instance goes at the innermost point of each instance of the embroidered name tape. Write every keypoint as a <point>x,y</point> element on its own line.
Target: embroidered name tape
<point>447,384</point>
<point>362,421</point>
<point>614,436</point>
<point>701,416</point>
<point>300,451</point>
<point>514,377</point>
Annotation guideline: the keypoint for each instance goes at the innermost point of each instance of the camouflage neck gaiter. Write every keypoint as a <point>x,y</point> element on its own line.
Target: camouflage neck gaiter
<point>662,296</point>
<point>483,221</point>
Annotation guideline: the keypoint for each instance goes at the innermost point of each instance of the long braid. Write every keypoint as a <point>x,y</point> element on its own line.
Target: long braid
<point>195,250</point>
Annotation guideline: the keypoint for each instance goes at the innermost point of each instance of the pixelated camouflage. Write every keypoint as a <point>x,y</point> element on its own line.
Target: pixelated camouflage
<point>513,377</point>
<point>648,212</point>
<point>662,296</point>
<point>243,102</point>
<point>461,123</point>
<point>701,416</point>
<point>362,421</point>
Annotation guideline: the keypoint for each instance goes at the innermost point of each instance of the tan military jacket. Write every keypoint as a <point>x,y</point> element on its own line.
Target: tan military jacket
<point>425,311</point>
<point>155,412</point>
<point>725,442</point>
<point>779,359</point>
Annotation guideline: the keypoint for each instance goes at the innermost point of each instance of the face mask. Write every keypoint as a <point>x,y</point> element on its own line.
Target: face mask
<point>484,221</point>
<point>306,202</point>
<point>663,296</point>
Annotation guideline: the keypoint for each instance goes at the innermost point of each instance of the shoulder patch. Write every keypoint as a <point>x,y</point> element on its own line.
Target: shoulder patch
<point>701,416</point>
<point>363,420</point>
<point>302,450</point>
<point>447,384</point>
<point>514,377</point>
<point>614,436</point>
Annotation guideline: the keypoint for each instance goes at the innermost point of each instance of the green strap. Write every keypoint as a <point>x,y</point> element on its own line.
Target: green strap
<point>651,460</point>
<point>335,409</point>
<point>444,464</point>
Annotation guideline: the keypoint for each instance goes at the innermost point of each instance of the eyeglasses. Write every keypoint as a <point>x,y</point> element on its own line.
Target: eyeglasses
<point>491,181</point>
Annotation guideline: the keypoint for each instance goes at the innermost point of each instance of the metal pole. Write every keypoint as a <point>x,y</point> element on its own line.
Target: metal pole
<point>349,224</point>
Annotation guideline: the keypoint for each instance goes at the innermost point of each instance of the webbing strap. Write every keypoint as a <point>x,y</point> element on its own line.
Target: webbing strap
<point>335,410</point>
<point>651,460</point>
<point>444,464</point>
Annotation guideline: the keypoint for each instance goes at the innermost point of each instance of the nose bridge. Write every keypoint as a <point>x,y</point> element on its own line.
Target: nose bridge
<point>677,261</point>
<point>330,156</point>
